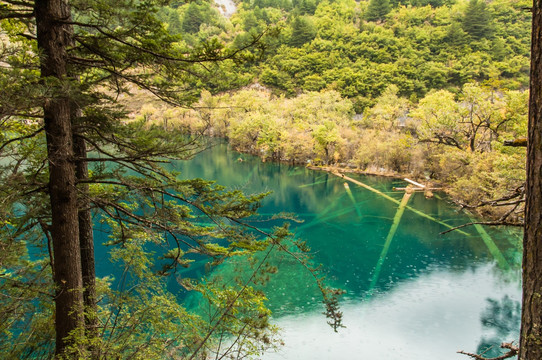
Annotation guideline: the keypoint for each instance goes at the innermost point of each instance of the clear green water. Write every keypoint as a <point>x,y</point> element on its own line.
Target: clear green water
<point>414,295</point>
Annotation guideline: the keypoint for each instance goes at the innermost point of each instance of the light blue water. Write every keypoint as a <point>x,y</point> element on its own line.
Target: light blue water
<point>415,295</point>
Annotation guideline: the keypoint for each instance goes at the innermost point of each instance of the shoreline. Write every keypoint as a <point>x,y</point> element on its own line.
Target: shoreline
<point>486,213</point>
<point>483,213</point>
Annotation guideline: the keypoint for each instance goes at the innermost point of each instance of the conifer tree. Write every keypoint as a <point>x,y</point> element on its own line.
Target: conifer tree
<point>477,20</point>
<point>530,346</point>
<point>302,31</point>
<point>193,18</point>
<point>377,10</point>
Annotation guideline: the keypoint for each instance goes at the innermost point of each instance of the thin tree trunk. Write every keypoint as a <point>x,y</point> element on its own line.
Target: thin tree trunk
<point>53,40</point>
<point>86,240</point>
<point>531,320</point>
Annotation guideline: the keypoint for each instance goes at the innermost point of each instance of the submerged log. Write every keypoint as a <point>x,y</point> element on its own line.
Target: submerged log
<point>492,247</point>
<point>414,183</point>
<point>414,189</point>
<point>389,238</point>
<point>418,212</point>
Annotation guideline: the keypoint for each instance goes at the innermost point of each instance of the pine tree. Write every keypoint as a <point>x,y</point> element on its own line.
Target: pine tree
<point>302,31</point>
<point>174,22</point>
<point>477,20</point>
<point>377,10</point>
<point>193,18</point>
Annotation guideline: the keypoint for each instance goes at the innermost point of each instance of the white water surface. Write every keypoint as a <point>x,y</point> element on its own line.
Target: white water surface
<point>427,318</point>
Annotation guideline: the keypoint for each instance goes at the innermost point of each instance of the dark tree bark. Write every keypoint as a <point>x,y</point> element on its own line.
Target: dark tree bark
<point>53,39</point>
<point>86,239</point>
<point>531,321</point>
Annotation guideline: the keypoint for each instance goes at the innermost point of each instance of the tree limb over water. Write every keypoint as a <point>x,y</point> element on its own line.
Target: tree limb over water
<point>514,350</point>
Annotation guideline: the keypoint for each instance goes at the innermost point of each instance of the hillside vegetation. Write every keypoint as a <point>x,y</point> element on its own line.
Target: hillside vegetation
<point>342,45</point>
<point>426,88</point>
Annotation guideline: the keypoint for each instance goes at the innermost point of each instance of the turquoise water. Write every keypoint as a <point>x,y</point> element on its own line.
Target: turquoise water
<point>412,294</point>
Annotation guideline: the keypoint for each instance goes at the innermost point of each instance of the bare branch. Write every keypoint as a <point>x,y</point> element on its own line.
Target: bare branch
<point>519,142</point>
<point>488,223</point>
<point>514,350</point>
<point>503,201</point>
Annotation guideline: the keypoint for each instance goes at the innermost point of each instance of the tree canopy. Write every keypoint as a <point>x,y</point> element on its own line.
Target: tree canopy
<point>342,46</point>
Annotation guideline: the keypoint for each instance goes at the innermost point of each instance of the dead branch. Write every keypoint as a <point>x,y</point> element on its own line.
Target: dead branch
<point>519,142</point>
<point>487,223</point>
<point>514,350</point>
<point>519,192</point>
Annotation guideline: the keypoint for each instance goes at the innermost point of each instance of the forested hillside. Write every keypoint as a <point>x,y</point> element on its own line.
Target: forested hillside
<point>430,89</point>
<point>359,49</point>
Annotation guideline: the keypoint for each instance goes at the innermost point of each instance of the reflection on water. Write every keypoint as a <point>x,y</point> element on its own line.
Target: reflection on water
<point>500,320</point>
<point>429,317</point>
<point>411,293</point>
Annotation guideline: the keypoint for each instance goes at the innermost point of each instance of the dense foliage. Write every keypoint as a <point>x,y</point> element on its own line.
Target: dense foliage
<point>456,139</point>
<point>429,88</point>
<point>359,49</point>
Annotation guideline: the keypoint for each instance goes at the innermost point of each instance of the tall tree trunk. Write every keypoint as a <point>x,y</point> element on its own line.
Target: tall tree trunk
<point>86,238</point>
<point>53,39</point>
<point>531,320</point>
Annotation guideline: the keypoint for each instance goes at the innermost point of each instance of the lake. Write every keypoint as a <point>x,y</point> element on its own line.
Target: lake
<point>413,293</point>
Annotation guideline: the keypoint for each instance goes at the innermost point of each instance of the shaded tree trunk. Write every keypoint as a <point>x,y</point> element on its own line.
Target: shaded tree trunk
<point>53,39</point>
<point>86,240</point>
<point>531,321</point>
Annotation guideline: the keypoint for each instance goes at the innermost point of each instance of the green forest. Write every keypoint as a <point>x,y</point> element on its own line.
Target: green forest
<point>360,49</point>
<point>97,98</point>
<point>428,89</point>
